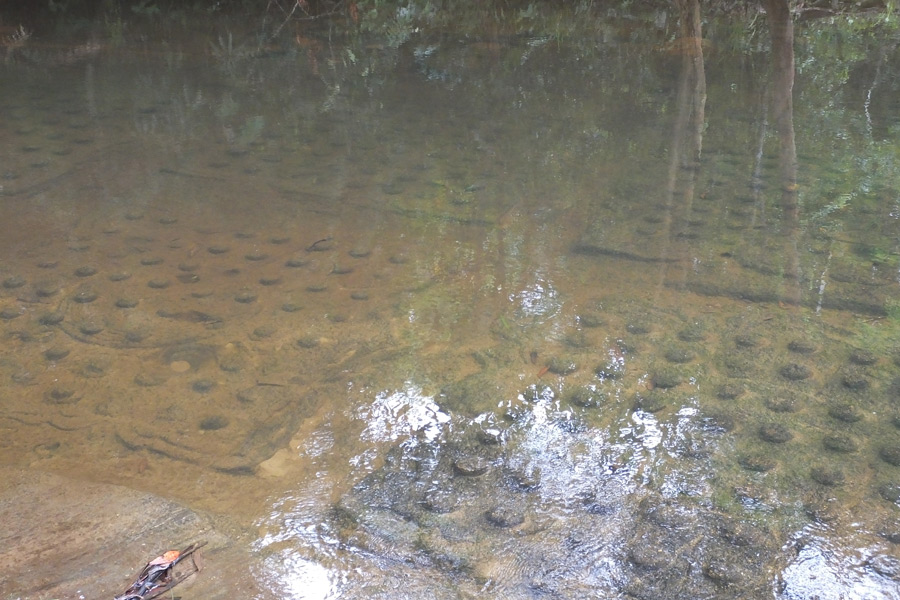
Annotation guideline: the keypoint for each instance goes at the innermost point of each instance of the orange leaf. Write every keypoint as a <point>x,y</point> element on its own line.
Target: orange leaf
<point>166,558</point>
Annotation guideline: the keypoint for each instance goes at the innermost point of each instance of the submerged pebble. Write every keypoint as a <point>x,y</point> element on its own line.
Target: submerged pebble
<point>649,401</point>
<point>801,346</point>
<point>795,372</point>
<point>717,422</point>
<point>637,328</point>
<point>781,404</point>
<point>262,332</point>
<point>90,328</point>
<point>846,413</point>
<point>775,433</point>
<point>828,476</point>
<point>505,516</point>
<point>470,466</point>
<point>295,263</point>
<point>863,357</point>
<point>561,365</point>
<point>9,313</point>
<point>613,370</point>
<point>134,337</point>
<point>13,282</point>
<point>680,355</point>
<point>180,366</point>
<point>85,271</point>
<point>202,386</point>
<point>667,378</point>
<point>757,462</point>
<point>84,296</point>
<point>885,565</point>
<point>61,396</point>
<point>214,423</point>
<point>649,558</point>
<point>746,340</point>
<point>55,354</point>
<point>694,332</point>
<point>525,478</point>
<point>854,380</point>
<point>586,397</point>
<point>149,379</point>
<point>890,491</point>
<point>890,454</point>
<point>723,572</point>
<point>46,289</point>
<point>53,318</point>
<point>840,443</point>
<point>307,342</point>
<point>440,501</point>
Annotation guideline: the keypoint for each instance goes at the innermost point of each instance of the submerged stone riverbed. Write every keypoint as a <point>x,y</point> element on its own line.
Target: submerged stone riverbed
<point>466,318</point>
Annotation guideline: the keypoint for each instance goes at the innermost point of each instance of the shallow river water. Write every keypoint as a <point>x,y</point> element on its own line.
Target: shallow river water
<point>514,317</point>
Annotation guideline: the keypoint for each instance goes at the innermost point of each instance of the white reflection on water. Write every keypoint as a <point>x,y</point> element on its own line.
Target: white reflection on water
<point>646,429</point>
<point>827,569</point>
<point>296,578</point>
<point>291,536</point>
<point>571,463</point>
<point>400,413</point>
<point>539,301</point>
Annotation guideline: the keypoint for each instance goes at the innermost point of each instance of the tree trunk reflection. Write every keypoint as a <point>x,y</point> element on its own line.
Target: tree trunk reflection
<point>687,134</point>
<point>782,31</point>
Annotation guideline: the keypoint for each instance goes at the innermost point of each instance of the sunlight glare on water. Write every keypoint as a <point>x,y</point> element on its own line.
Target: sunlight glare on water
<point>826,569</point>
<point>393,415</point>
<point>540,300</point>
<point>297,578</point>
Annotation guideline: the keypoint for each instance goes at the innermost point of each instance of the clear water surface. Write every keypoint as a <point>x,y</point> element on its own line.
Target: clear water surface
<point>501,317</point>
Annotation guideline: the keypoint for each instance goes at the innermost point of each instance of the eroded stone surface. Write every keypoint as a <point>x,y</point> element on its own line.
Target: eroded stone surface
<point>64,538</point>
